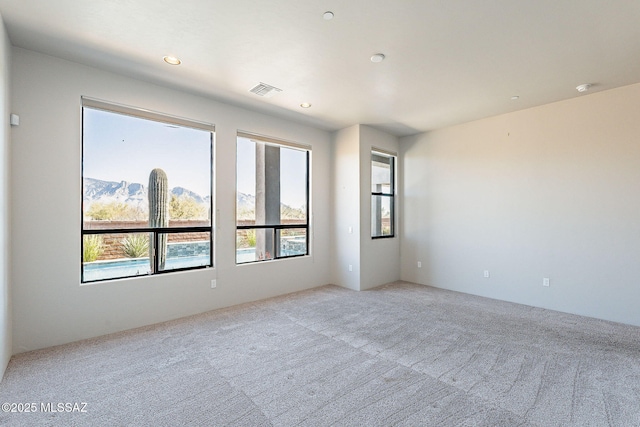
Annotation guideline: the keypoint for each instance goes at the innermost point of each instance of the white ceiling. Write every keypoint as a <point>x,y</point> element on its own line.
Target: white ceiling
<point>447,61</point>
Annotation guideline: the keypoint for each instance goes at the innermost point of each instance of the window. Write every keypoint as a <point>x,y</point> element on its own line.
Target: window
<point>382,194</point>
<point>272,199</point>
<point>146,193</point>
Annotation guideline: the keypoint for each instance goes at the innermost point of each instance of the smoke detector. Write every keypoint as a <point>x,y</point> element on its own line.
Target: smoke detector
<point>265,90</point>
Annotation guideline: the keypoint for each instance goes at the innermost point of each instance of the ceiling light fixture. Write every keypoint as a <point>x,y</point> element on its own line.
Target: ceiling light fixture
<point>584,87</point>
<point>515,97</point>
<point>305,105</point>
<point>172,60</point>
<point>328,15</point>
<point>378,57</point>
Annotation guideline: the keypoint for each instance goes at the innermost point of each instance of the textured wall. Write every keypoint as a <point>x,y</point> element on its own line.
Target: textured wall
<point>50,305</point>
<point>345,180</point>
<point>551,191</point>
<point>5,138</point>
<point>380,257</point>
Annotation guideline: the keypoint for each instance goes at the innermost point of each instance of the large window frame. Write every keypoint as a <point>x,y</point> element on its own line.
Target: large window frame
<point>154,233</point>
<point>380,194</point>
<point>273,229</point>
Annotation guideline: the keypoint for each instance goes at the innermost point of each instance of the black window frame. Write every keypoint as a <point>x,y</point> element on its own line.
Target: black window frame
<point>153,232</point>
<point>390,194</point>
<point>277,227</point>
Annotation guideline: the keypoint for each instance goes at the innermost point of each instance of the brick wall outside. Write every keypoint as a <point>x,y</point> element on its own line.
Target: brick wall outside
<point>112,243</point>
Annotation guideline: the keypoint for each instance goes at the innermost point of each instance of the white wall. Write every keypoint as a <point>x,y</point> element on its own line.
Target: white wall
<point>5,294</point>
<point>346,207</point>
<point>552,191</point>
<point>380,258</point>
<point>50,306</point>
<point>374,262</point>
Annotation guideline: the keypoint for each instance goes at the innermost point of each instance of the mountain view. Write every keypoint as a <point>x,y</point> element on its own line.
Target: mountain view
<point>135,196</point>
<point>129,193</point>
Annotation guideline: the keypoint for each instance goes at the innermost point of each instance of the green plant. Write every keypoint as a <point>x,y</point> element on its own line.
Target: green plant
<point>92,247</point>
<point>246,214</point>
<point>114,211</point>
<point>135,245</point>
<point>159,212</point>
<point>246,239</point>
<point>251,238</point>
<point>185,207</point>
<point>287,212</point>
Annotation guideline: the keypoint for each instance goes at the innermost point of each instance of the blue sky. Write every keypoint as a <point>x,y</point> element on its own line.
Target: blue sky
<point>117,147</point>
<point>293,173</point>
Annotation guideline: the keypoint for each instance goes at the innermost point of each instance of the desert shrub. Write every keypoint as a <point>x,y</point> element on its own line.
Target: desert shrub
<point>115,211</point>
<point>251,238</point>
<point>185,207</point>
<point>92,247</point>
<point>246,239</point>
<point>136,245</point>
<point>287,212</point>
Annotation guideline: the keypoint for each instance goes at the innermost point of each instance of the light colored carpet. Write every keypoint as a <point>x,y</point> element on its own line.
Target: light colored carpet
<point>401,354</point>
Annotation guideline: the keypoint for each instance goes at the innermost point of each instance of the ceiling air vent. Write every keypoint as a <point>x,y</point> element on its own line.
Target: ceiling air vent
<point>263,89</point>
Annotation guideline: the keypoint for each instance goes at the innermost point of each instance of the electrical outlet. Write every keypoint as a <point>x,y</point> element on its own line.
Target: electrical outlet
<point>545,281</point>
<point>214,283</point>
<point>419,264</point>
<point>350,267</point>
<point>487,274</point>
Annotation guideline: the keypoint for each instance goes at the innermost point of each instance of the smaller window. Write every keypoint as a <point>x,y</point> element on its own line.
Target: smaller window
<point>272,199</point>
<point>382,194</point>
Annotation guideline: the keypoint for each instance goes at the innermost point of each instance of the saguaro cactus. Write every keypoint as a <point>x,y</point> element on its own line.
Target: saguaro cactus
<point>159,212</point>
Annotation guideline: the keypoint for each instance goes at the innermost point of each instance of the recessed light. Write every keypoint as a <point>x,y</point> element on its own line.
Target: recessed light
<point>584,87</point>
<point>378,57</point>
<point>515,97</point>
<point>305,105</point>
<point>172,60</point>
<point>328,15</point>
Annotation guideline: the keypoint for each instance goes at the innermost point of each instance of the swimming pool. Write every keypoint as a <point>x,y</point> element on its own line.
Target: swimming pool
<point>294,247</point>
<point>116,269</point>
<point>121,268</point>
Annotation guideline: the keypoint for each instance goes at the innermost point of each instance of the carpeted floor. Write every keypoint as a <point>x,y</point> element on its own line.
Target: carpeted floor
<point>401,354</point>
